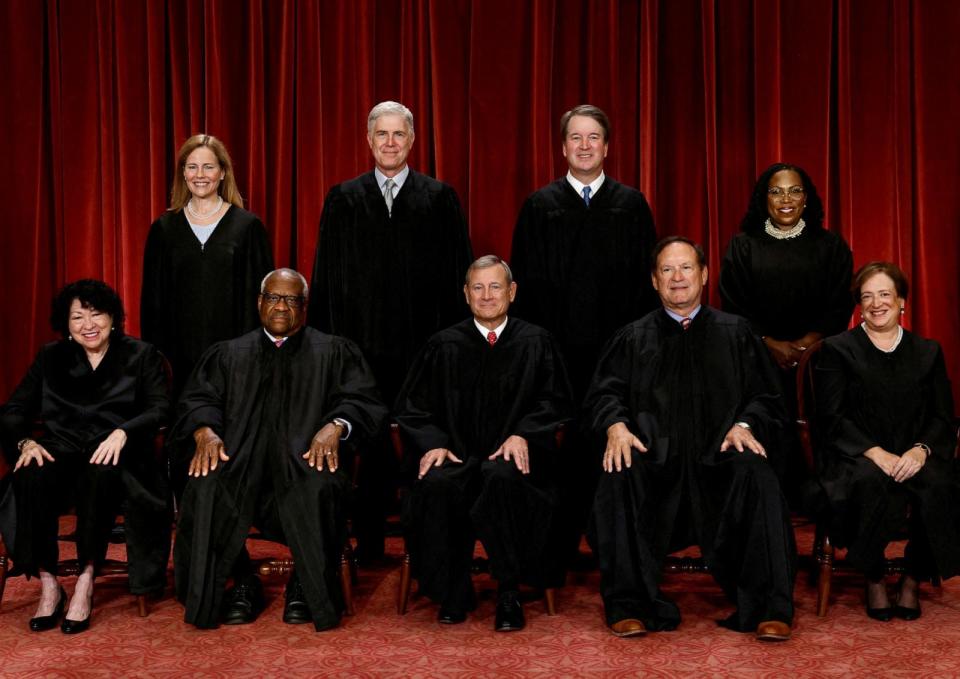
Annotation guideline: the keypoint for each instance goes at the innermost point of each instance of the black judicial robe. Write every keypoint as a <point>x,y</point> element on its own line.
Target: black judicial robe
<point>267,403</point>
<point>680,392</point>
<point>865,398</point>
<point>389,282</point>
<point>466,396</point>
<point>194,295</point>
<point>79,407</point>
<point>787,288</point>
<point>583,273</point>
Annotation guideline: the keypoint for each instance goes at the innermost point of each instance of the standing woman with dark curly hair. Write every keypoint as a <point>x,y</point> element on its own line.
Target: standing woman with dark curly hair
<point>787,275</point>
<point>204,260</point>
<point>100,397</point>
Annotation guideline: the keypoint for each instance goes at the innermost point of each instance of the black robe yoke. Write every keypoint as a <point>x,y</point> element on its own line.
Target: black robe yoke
<point>79,407</point>
<point>582,273</point>
<point>466,396</point>
<point>389,282</point>
<point>865,398</point>
<point>194,295</point>
<point>787,288</point>
<point>680,392</point>
<point>267,403</point>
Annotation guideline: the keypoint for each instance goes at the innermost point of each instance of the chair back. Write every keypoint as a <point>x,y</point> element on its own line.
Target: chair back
<point>807,402</point>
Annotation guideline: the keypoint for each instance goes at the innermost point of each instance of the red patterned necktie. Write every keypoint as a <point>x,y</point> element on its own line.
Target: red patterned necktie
<point>685,323</point>
<point>492,337</point>
<point>278,342</point>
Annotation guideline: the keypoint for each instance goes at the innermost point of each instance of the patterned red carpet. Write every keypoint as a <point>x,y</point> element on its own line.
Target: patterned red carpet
<point>379,643</point>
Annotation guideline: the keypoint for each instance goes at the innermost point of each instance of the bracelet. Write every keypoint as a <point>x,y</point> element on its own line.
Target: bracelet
<point>924,447</point>
<point>22,443</point>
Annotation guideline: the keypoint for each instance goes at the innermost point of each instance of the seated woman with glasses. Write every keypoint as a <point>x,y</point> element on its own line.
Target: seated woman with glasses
<point>97,398</point>
<point>886,442</point>
<point>790,278</point>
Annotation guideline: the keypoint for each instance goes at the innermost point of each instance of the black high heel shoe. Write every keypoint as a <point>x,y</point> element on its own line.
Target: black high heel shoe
<point>42,623</point>
<point>904,612</point>
<point>884,614</point>
<point>69,626</point>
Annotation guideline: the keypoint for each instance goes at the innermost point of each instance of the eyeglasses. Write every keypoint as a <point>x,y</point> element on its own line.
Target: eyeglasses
<point>293,301</point>
<point>793,191</point>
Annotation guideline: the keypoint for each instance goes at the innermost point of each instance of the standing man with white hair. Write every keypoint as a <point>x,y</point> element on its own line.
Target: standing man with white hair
<point>390,262</point>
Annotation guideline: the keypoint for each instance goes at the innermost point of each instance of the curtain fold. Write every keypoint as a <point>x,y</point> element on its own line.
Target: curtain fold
<point>702,95</point>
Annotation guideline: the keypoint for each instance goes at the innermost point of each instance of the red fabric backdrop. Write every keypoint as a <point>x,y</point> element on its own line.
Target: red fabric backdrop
<point>98,95</point>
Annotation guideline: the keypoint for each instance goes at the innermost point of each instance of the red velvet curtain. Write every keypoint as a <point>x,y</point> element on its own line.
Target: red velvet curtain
<point>98,95</point>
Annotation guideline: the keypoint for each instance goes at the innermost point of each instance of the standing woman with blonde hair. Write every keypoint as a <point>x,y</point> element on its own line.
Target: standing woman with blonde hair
<point>204,260</point>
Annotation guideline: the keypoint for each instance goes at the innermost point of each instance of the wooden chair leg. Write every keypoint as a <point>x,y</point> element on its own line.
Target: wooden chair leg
<point>404,594</point>
<point>142,605</point>
<point>3,575</point>
<point>550,594</point>
<point>347,582</point>
<point>825,559</point>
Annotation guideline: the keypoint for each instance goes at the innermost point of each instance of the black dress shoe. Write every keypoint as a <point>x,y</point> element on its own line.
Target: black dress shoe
<point>42,623</point>
<point>243,602</point>
<point>905,613</point>
<point>509,617</point>
<point>451,616</point>
<point>295,608</point>
<point>69,626</point>
<point>884,614</point>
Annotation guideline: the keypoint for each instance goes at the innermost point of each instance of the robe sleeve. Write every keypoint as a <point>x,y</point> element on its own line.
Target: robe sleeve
<point>736,282</point>
<point>551,405</point>
<point>763,407</point>
<point>355,396</point>
<point>325,277</point>
<point>153,293</point>
<point>837,304</point>
<point>17,414</point>
<point>460,255</point>
<point>201,402</point>
<point>838,431</point>
<point>417,410</point>
<point>152,394</point>
<point>257,262</point>
<point>522,253</point>
<point>608,398</point>
<point>939,431</point>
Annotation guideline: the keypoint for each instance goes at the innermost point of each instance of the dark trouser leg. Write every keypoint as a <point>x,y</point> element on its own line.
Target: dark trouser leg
<point>98,503</point>
<point>376,484</point>
<point>621,532</point>
<point>752,553</point>
<point>39,495</point>
<point>513,518</point>
<point>310,517</point>
<point>440,534</point>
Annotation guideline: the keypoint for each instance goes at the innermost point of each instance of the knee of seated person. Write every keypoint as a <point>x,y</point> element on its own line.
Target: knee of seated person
<point>500,470</point>
<point>756,466</point>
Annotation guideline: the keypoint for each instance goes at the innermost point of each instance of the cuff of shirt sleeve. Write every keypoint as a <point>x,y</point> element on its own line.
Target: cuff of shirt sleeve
<point>347,427</point>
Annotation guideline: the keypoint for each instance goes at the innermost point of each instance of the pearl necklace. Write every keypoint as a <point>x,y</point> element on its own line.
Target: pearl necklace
<point>201,215</point>
<point>779,234</point>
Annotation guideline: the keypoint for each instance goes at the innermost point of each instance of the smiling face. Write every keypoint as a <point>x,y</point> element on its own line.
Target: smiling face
<point>390,142</point>
<point>89,328</point>
<point>786,198</point>
<point>679,278</point>
<point>584,147</point>
<point>489,295</point>
<point>203,173</point>
<point>879,303</point>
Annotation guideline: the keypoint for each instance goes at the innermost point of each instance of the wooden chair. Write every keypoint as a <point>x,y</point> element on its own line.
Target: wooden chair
<point>826,561</point>
<point>479,566</point>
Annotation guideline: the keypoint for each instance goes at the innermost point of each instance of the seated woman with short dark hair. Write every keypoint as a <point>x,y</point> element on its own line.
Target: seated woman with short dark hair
<point>100,398</point>
<point>887,443</point>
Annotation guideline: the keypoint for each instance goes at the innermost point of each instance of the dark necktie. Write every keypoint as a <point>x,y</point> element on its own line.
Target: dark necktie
<point>492,337</point>
<point>586,195</point>
<point>685,322</point>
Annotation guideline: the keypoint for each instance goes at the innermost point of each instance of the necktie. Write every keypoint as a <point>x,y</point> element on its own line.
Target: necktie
<point>685,322</point>
<point>278,342</point>
<point>586,195</point>
<point>388,194</point>
<point>492,337</point>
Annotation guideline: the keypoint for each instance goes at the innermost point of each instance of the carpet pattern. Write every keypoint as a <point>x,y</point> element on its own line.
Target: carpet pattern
<point>376,642</point>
